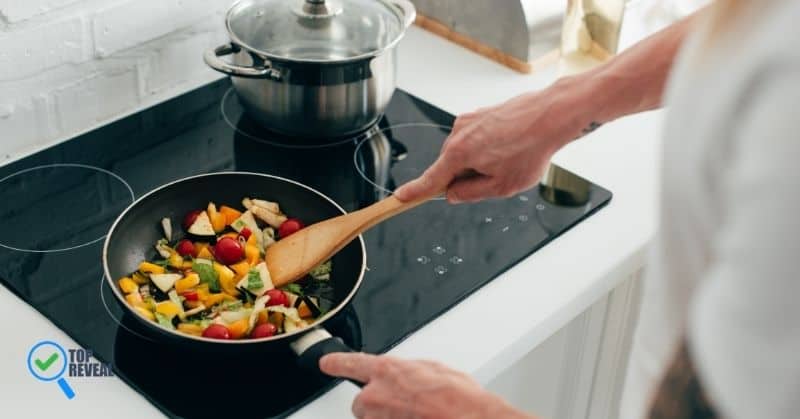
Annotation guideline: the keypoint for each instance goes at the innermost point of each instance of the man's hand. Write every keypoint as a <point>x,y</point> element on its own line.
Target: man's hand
<point>414,389</point>
<point>499,151</point>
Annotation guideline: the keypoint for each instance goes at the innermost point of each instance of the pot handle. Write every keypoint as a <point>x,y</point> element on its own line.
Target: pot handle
<point>408,9</point>
<point>314,345</point>
<point>211,57</point>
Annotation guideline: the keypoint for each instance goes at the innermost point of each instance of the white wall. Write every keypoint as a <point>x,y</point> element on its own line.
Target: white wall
<point>69,65</point>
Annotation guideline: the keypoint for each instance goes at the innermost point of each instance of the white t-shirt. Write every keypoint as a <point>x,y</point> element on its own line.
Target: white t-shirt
<point>725,267</point>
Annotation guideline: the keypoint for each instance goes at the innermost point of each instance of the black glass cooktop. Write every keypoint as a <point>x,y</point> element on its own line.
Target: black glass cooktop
<point>59,203</point>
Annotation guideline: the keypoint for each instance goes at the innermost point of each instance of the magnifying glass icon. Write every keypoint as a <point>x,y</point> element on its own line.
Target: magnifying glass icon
<point>47,361</point>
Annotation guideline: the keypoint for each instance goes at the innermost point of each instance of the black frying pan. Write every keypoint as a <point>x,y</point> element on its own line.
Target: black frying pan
<point>133,235</point>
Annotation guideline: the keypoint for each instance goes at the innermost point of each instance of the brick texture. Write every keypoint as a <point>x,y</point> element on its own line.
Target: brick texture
<point>69,65</point>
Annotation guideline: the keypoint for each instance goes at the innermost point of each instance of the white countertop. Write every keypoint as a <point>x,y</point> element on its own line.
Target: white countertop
<point>552,286</point>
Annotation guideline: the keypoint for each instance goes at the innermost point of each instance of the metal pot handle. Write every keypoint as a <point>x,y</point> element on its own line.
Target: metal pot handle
<point>408,9</point>
<point>211,57</point>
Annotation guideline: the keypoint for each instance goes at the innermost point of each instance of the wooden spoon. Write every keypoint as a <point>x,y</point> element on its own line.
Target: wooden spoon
<point>291,258</point>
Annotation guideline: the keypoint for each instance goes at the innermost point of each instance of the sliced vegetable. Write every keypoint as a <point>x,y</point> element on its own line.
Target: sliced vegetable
<point>191,329</point>
<point>230,214</point>
<point>205,270</point>
<point>163,248</point>
<point>269,237</point>
<point>269,217</point>
<point>189,281</point>
<point>238,329</point>
<point>235,315</point>
<point>166,225</point>
<point>176,299</point>
<point>168,309</point>
<point>190,218</point>
<point>151,268</point>
<point>147,314</point>
<point>323,271</point>
<point>139,278</point>
<point>227,279</point>
<point>127,285</point>
<point>165,282</point>
<point>175,260</point>
<point>217,219</point>
<point>135,299</point>
<point>277,297</point>
<point>164,320</point>
<point>257,280</point>
<point>202,226</point>
<point>247,220</point>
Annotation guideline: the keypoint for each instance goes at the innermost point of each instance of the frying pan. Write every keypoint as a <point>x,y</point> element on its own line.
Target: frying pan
<point>133,235</point>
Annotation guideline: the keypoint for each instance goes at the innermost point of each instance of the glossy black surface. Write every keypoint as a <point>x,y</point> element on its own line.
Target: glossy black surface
<point>420,263</point>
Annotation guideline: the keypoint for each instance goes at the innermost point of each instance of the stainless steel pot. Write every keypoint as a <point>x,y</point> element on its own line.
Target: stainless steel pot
<point>314,68</point>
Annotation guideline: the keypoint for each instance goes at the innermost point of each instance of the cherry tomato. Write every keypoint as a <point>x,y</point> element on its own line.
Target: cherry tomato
<point>245,233</point>
<point>228,251</point>
<point>216,331</point>
<point>186,248</point>
<point>290,227</point>
<point>277,298</point>
<point>190,218</point>
<point>190,295</point>
<point>263,330</point>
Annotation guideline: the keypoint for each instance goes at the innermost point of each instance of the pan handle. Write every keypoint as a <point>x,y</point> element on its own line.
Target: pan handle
<point>314,345</point>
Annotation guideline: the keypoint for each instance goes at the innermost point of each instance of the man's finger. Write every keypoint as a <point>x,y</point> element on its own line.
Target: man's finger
<point>471,189</point>
<point>356,366</point>
<point>433,180</point>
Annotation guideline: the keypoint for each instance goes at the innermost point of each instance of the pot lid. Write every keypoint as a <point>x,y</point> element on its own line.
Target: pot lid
<point>318,30</point>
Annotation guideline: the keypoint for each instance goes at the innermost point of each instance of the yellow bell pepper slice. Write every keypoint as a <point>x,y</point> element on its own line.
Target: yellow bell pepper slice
<point>147,314</point>
<point>168,308</point>
<point>191,329</point>
<point>226,279</point>
<point>127,285</point>
<point>241,269</point>
<point>217,219</point>
<point>187,282</point>
<point>140,279</point>
<point>135,300</point>
<point>151,268</point>
<point>204,253</point>
<point>252,254</point>
<point>215,298</point>
<point>175,260</point>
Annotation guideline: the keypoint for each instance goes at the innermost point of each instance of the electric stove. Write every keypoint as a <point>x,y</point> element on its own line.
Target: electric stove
<point>59,203</point>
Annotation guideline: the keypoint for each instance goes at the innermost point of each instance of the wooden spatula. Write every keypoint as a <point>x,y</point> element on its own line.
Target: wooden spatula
<point>290,258</point>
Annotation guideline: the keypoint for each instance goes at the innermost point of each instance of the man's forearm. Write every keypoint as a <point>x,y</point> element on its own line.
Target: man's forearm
<point>632,82</point>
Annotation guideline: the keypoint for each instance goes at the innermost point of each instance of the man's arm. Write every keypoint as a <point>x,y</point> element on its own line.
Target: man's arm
<point>525,131</point>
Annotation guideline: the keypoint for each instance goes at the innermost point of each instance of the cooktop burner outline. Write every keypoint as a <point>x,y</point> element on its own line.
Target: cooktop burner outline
<point>382,131</point>
<point>65,165</point>
<point>113,317</point>
<point>343,141</point>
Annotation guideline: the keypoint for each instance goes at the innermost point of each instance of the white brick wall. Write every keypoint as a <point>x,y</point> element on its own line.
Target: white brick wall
<point>69,65</point>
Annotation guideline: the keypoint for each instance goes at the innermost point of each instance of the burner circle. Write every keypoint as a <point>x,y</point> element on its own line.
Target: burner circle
<point>113,317</point>
<point>60,207</point>
<point>228,115</point>
<point>398,153</point>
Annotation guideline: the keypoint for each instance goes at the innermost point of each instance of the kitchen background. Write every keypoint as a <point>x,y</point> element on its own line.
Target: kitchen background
<point>69,65</point>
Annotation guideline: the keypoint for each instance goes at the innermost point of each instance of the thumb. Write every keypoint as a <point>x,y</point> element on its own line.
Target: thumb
<point>435,179</point>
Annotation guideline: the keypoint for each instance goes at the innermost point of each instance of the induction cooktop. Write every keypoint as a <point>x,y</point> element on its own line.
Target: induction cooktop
<point>59,203</point>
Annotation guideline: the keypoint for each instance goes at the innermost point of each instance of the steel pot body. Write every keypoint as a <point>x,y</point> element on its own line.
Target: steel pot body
<point>331,79</point>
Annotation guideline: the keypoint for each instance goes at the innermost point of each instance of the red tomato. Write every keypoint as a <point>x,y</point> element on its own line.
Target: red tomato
<point>290,227</point>
<point>263,330</point>
<point>228,251</point>
<point>190,295</point>
<point>277,298</point>
<point>216,331</point>
<point>190,218</point>
<point>186,248</point>
<point>245,233</point>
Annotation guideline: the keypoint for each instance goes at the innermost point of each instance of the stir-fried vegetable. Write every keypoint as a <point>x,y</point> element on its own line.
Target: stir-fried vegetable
<point>213,281</point>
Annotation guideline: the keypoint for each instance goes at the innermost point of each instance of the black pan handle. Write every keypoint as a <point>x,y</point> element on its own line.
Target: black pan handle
<point>314,345</point>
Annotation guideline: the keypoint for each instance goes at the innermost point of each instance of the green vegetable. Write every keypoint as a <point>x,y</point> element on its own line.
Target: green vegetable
<point>201,322</point>
<point>164,321</point>
<point>254,281</point>
<point>230,306</point>
<point>322,272</point>
<point>294,289</point>
<point>207,275</point>
<point>162,263</point>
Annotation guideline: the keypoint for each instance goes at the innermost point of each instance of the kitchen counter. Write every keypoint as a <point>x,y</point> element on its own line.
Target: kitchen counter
<point>538,296</point>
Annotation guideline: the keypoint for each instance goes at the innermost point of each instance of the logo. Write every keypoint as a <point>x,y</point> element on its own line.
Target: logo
<point>48,361</point>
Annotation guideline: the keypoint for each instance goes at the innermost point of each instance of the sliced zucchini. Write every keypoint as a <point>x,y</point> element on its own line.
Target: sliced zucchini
<point>165,282</point>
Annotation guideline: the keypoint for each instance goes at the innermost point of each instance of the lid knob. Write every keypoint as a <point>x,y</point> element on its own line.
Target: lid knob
<point>317,9</point>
